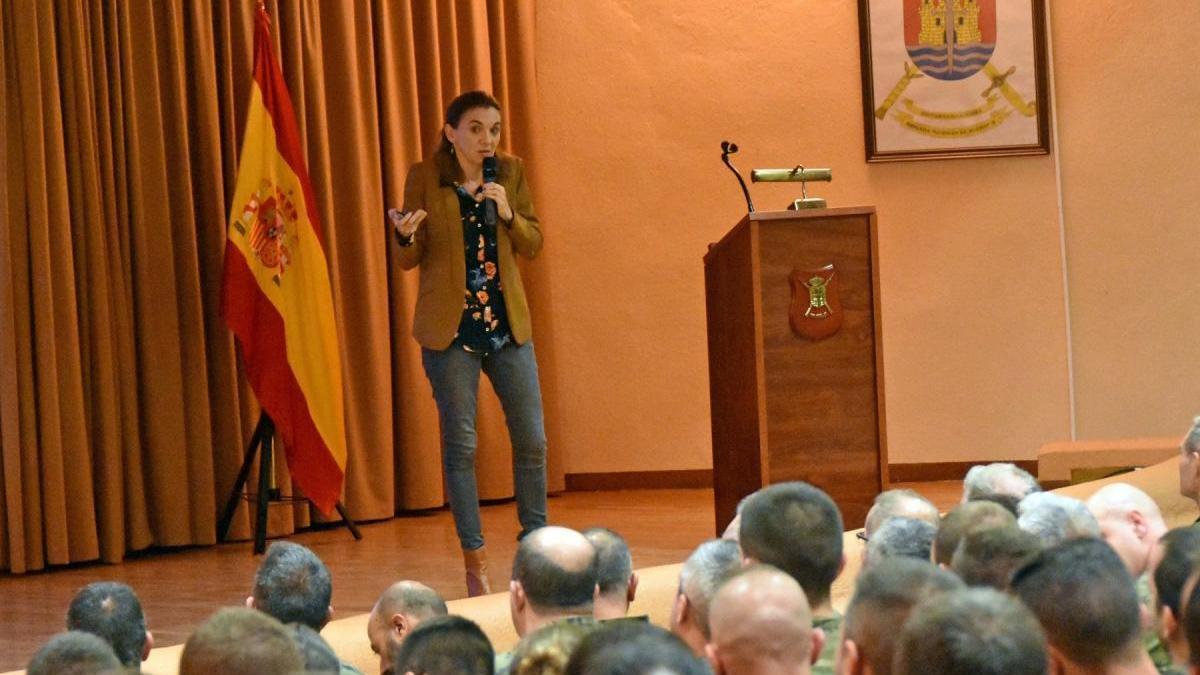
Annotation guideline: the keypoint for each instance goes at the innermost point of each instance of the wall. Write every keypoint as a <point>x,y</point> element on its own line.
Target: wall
<point>634,99</point>
<point>1127,98</point>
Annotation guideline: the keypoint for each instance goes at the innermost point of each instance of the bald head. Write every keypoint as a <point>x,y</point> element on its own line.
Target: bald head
<point>1130,521</point>
<point>899,504</point>
<point>556,566</point>
<point>401,608</point>
<point>761,620</point>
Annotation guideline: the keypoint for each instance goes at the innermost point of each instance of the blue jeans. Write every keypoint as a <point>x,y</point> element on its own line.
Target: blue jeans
<point>454,374</point>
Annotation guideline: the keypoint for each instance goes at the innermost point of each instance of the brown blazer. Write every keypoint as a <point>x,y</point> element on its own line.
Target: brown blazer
<point>438,248</point>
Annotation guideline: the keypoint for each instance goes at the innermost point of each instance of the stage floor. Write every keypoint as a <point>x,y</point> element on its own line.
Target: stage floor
<point>179,588</point>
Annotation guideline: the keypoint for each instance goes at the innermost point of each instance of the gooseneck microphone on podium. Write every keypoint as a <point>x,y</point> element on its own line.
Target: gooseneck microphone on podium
<point>728,149</point>
<point>489,205</point>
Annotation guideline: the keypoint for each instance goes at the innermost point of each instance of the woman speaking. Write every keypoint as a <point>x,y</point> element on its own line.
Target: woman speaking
<point>467,214</point>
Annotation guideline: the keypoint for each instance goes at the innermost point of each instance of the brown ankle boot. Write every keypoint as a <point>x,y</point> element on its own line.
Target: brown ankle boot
<point>477,565</point>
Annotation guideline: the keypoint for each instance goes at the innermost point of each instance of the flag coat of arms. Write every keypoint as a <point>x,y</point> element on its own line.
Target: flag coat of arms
<point>276,294</point>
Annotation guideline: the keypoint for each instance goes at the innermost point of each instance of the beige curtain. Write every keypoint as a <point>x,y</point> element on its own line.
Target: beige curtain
<point>123,410</point>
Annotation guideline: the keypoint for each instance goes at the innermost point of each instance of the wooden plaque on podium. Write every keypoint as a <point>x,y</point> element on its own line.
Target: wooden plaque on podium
<point>793,396</point>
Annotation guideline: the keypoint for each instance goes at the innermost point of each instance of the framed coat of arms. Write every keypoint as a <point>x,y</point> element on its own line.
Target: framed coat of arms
<point>954,78</point>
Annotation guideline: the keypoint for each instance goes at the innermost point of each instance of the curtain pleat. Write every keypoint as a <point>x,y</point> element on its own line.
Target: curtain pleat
<point>124,410</point>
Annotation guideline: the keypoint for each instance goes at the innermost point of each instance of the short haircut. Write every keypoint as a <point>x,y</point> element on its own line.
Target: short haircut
<point>1053,518</point>
<point>548,649</point>
<point>1084,598</point>
<point>891,503</point>
<point>980,631</point>
<point>547,584</point>
<point>74,653</point>
<point>634,648</point>
<point>797,528</point>
<point>901,536</point>
<point>1191,442</point>
<point>1181,552</point>
<point>318,655</point>
<point>999,480</point>
<point>111,611</point>
<point>293,585</point>
<point>614,563</point>
<point>966,517</point>
<point>241,641</point>
<point>883,598</point>
<point>444,645</point>
<point>712,563</point>
<point>988,556</point>
<point>1191,620</point>
<point>413,598</point>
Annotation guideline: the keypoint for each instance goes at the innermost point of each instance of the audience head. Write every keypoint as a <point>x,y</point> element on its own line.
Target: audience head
<point>553,576</point>
<point>980,631</point>
<point>1084,598</point>
<point>1191,620</point>
<point>732,530</point>
<point>797,528</point>
<point>444,645</point>
<point>761,622</point>
<point>75,653</point>
<point>317,654</point>
<point>988,556</point>
<point>111,610</point>
<point>1130,522</point>
<point>293,586</point>
<point>1053,518</point>
<point>900,537</point>
<point>883,598</point>
<point>1176,556</point>
<point>709,566</point>
<point>1002,482</point>
<point>240,641</point>
<point>966,517</point>
<point>401,608</point>
<point>634,648</point>
<point>547,650</point>
<point>1189,463</point>
<point>616,582</point>
<point>899,503</point>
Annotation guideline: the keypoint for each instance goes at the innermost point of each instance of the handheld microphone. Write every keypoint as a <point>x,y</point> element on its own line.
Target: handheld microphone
<point>489,205</point>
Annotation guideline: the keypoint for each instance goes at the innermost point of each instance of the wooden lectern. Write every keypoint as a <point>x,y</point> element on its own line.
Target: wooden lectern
<point>791,406</point>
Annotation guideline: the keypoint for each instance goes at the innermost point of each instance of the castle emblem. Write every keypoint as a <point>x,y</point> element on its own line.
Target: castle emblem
<point>950,39</point>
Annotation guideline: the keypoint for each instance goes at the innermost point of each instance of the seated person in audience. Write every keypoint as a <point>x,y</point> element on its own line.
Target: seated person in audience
<point>962,518</point>
<point>797,528</point>
<point>1001,482</point>
<point>111,610</point>
<point>634,648</point>
<point>1131,522</point>
<point>616,582</point>
<point>317,654</point>
<point>1189,464</point>
<point>883,597</point>
<point>1083,596</point>
<point>899,503</point>
<point>1175,557</point>
<point>293,585</point>
<point>240,641</point>
<point>75,653</point>
<point>979,631</point>
<point>547,650</point>
<point>709,566</point>
<point>403,606</point>
<point>444,645</point>
<point>761,624</point>
<point>553,579</point>
<point>1191,620</point>
<point>900,537</point>
<point>988,556</point>
<point>1053,518</point>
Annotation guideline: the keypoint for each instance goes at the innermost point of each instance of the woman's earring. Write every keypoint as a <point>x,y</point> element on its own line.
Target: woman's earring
<point>451,150</point>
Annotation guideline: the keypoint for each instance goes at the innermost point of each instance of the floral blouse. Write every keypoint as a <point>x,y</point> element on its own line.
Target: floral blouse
<point>484,324</point>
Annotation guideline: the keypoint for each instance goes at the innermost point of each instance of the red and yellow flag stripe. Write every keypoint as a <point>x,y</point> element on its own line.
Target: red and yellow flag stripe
<point>276,293</point>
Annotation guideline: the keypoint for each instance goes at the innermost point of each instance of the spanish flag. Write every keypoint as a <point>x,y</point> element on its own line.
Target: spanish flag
<point>276,294</point>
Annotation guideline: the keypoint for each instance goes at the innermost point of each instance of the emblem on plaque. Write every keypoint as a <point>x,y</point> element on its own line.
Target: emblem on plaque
<point>816,309</point>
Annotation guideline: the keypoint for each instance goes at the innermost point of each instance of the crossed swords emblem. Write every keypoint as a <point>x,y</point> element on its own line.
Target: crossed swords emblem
<point>999,81</point>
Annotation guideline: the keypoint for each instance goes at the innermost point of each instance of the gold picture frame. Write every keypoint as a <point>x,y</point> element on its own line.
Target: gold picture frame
<point>954,78</point>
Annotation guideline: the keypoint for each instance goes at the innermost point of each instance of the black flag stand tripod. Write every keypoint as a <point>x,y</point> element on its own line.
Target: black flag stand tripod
<point>264,438</point>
